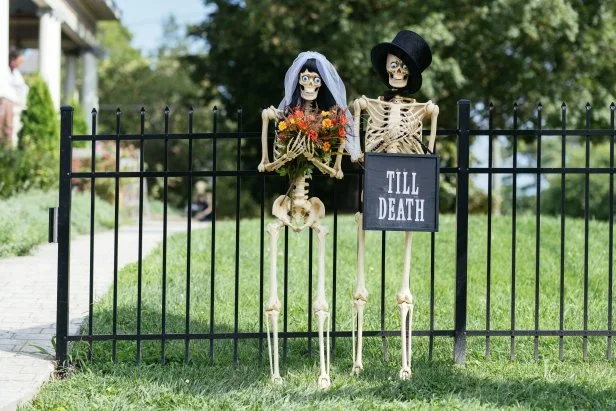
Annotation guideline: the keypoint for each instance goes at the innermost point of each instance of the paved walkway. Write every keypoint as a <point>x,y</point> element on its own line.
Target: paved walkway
<point>28,302</point>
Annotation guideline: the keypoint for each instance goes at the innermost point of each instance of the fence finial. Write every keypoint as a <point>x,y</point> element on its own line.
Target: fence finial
<point>587,105</point>
<point>563,106</point>
<point>539,106</point>
<point>118,111</point>
<point>167,110</point>
<point>215,108</point>
<point>612,106</point>
<point>93,112</point>
<point>142,110</point>
<point>191,109</point>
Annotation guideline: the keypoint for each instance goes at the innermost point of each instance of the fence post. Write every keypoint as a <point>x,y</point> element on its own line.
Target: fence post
<point>464,109</point>
<point>64,234</point>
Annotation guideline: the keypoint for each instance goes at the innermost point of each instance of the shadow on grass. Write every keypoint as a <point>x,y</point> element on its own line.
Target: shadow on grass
<point>246,384</point>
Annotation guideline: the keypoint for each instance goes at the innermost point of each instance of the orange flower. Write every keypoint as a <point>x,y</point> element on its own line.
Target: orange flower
<point>326,147</point>
<point>313,135</point>
<point>327,123</point>
<point>341,132</point>
<point>342,119</point>
<point>298,114</point>
<point>302,125</point>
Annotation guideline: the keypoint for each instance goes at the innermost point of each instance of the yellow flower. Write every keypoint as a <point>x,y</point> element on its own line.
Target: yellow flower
<point>326,147</point>
<point>327,123</point>
<point>325,113</point>
<point>282,126</point>
<point>292,120</point>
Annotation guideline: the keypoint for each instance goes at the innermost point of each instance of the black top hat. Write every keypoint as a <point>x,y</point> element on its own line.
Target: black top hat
<point>409,47</point>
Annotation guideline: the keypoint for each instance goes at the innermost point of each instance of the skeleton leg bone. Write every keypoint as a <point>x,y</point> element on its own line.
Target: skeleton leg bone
<point>272,309</point>
<point>321,308</point>
<point>405,304</point>
<point>360,297</point>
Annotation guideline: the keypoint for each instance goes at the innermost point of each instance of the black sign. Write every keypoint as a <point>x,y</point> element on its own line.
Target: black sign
<point>401,192</point>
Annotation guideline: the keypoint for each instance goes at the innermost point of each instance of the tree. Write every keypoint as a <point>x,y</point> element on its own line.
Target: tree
<point>575,185</point>
<point>501,51</point>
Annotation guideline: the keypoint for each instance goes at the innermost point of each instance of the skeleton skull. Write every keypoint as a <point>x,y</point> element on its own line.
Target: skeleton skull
<point>309,83</point>
<point>398,71</point>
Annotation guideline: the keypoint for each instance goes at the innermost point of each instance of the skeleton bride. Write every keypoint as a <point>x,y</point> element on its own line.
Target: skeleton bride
<point>312,87</point>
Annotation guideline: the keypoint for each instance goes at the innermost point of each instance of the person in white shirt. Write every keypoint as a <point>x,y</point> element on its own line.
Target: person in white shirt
<point>13,94</point>
<point>20,88</point>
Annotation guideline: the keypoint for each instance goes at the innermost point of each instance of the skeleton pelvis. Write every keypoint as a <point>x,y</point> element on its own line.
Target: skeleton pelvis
<point>298,213</point>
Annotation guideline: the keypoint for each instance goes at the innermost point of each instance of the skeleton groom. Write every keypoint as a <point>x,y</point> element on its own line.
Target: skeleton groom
<point>394,125</point>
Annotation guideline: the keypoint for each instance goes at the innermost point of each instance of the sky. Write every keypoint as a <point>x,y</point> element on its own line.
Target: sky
<point>144,18</point>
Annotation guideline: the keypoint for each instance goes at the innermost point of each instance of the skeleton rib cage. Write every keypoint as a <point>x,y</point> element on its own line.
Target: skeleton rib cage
<point>394,127</point>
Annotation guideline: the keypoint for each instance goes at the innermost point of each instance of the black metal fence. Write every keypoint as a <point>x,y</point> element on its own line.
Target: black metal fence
<point>462,172</point>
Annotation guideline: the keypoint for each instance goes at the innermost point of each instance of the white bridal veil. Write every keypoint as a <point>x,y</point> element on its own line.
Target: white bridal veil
<point>334,83</point>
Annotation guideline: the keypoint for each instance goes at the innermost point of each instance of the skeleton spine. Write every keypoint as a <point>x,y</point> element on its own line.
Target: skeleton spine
<point>299,198</point>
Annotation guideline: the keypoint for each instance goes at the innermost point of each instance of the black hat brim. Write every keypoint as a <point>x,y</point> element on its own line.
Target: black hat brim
<point>378,56</point>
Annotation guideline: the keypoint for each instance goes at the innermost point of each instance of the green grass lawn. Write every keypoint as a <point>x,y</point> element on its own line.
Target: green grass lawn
<point>24,219</point>
<point>439,383</point>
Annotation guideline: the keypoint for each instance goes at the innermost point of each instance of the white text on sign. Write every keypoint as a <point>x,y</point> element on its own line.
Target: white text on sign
<point>400,209</point>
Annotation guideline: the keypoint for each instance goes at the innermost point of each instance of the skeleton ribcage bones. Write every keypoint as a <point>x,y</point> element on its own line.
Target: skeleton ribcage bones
<point>394,127</point>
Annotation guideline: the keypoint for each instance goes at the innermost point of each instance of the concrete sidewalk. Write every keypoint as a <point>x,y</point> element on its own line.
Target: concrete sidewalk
<point>28,301</point>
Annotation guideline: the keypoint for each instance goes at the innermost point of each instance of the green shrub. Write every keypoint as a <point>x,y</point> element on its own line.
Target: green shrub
<point>35,163</point>
<point>41,128</point>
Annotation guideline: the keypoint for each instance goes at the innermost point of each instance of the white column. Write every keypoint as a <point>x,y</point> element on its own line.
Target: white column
<point>70,79</point>
<point>4,49</point>
<point>50,53</point>
<point>89,89</point>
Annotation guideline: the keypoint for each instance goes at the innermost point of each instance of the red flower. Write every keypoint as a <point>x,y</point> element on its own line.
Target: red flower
<point>341,132</point>
<point>313,135</point>
<point>342,119</point>
<point>302,125</point>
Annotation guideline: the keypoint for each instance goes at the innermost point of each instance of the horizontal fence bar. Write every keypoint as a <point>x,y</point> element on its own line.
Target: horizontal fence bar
<point>254,173</point>
<point>252,335</point>
<point>314,334</point>
<point>540,333</point>
<point>544,132</point>
<point>201,136</point>
<point>540,170</point>
<point>257,135</point>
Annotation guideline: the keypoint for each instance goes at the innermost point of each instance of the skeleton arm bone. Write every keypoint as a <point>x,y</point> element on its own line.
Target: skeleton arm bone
<point>268,114</point>
<point>358,105</point>
<point>432,110</point>
<point>338,163</point>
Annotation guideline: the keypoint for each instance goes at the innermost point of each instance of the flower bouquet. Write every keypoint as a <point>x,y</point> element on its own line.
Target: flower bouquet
<point>318,135</point>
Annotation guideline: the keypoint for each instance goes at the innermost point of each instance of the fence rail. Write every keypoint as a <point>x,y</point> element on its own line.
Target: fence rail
<point>462,172</point>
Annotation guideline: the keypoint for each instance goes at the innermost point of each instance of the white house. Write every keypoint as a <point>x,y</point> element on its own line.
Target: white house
<point>62,31</point>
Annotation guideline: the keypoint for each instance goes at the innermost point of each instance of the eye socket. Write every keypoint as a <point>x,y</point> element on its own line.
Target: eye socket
<point>393,64</point>
<point>404,67</point>
<point>317,80</point>
<point>304,78</point>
